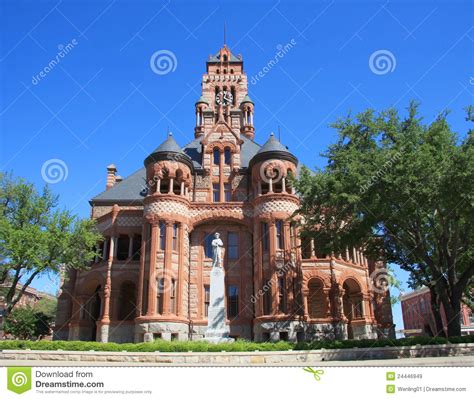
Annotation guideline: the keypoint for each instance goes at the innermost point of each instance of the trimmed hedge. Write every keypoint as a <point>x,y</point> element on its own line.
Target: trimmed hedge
<point>237,346</point>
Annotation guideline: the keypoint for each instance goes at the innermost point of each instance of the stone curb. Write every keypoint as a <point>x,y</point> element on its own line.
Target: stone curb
<point>244,358</point>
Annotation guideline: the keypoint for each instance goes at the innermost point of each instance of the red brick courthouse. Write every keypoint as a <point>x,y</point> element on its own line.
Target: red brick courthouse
<point>153,278</point>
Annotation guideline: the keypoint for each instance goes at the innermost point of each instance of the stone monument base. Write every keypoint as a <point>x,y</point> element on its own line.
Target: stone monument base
<point>217,329</point>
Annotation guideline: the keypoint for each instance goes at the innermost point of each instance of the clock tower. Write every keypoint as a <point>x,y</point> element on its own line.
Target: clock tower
<point>225,99</point>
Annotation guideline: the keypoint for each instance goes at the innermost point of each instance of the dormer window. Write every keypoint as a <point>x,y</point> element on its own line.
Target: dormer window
<point>225,58</point>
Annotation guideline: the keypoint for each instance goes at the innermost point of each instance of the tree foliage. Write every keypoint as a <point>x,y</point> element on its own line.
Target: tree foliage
<point>26,323</point>
<point>398,187</point>
<point>37,238</point>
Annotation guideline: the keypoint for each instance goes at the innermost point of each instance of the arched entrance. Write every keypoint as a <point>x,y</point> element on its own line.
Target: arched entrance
<point>352,304</point>
<point>91,314</point>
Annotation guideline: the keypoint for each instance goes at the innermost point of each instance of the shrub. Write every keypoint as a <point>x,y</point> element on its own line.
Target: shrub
<point>237,346</point>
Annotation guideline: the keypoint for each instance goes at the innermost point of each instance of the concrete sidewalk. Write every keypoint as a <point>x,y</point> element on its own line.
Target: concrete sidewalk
<point>464,361</point>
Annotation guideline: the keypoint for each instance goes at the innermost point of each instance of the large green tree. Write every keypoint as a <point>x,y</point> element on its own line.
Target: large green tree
<point>38,238</point>
<point>405,189</point>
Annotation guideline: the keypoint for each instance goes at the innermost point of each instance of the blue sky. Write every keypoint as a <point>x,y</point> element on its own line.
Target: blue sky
<point>102,103</point>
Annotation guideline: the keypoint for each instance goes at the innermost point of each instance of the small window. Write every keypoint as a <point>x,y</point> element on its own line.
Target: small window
<point>162,236</point>
<point>265,238</point>
<point>267,298</point>
<point>173,296</point>
<point>208,245</point>
<point>232,301</point>
<point>160,290</point>
<point>233,245</point>
<point>227,192</point>
<point>227,156</point>
<point>217,156</point>
<point>216,192</point>
<point>207,299</point>
<point>175,236</point>
<point>279,233</point>
<point>282,295</point>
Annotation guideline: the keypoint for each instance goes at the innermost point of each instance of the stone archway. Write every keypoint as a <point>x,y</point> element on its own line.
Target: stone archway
<point>352,303</point>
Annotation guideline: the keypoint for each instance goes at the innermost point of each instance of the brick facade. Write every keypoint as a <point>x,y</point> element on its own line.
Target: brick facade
<point>153,276</point>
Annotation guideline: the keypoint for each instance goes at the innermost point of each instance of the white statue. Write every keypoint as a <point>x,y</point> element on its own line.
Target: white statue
<point>217,244</point>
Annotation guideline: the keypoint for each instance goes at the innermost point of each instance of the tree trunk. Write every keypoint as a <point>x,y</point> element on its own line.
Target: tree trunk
<point>452,309</point>
<point>436,310</point>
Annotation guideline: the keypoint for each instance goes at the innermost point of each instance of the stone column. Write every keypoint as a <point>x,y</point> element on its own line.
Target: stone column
<point>141,273</point>
<point>130,246</point>
<point>152,271</point>
<point>273,255</point>
<point>167,266</point>
<point>170,189</point>
<point>258,271</point>
<point>105,320</point>
<point>180,282</point>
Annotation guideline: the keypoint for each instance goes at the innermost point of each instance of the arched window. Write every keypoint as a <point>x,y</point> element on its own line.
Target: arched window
<point>227,156</point>
<point>127,301</point>
<point>352,299</point>
<point>208,245</point>
<point>316,299</point>
<point>217,156</point>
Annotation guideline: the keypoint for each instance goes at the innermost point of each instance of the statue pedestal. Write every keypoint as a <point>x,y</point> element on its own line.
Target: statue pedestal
<point>217,330</point>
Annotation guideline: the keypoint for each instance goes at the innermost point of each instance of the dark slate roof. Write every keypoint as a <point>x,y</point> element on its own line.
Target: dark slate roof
<point>272,148</point>
<point>169,145</point>
<point>272,145</point>
<point>248,150</point>
<point>167,150</point>
<point>194,151</point>
<point>132,188</point>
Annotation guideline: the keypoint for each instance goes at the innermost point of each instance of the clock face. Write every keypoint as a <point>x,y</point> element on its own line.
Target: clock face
<point>224,97</point>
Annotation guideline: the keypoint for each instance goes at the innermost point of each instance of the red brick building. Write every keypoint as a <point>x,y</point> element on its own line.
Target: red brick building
<point>418,317</point>
<point>153,278</point>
